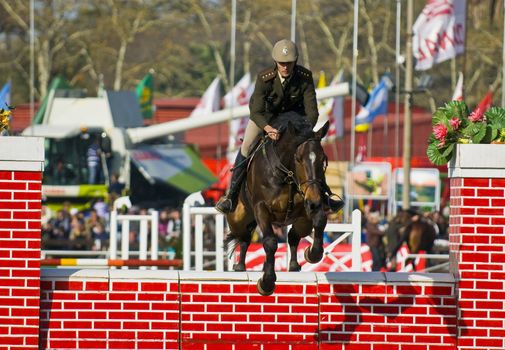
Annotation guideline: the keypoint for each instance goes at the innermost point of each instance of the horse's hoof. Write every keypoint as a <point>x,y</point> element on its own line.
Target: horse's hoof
<point>239,267</point>
<point>294,267</point>
<point>263,291</point>
<point>308,259</point>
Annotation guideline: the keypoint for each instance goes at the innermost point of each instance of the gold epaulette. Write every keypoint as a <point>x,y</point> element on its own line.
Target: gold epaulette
<point>304,72</point>
<point>268,74</point>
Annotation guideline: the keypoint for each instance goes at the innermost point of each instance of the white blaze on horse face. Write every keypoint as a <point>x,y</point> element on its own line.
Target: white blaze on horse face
<point>312,157</point>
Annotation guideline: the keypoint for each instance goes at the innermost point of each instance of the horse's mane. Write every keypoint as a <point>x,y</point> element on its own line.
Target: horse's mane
<point>301,125</point>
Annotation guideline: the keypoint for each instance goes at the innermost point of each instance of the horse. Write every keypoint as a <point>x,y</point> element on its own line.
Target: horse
<point>417,231</point>
<point>284,186</point>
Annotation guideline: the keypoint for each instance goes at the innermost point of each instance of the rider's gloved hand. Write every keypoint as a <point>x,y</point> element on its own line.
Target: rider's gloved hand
<point>272,132</point>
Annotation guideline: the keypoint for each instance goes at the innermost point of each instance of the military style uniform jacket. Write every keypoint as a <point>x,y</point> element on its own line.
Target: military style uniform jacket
<point>270,99</point>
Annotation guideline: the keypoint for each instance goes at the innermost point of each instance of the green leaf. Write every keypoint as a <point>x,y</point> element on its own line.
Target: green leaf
<point>439,117</point>
<point>490,135</point>
<point>496,117</point>
<point>477,138</point>
<point>471,129</point>
<point>436,155</point>
<point>447,153</point>
<point>456,109</point>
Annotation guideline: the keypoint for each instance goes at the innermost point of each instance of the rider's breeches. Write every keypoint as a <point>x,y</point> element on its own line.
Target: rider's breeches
<point>251,131</point>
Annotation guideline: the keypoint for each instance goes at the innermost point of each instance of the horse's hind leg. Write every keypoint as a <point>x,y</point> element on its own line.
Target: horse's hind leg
<point>244,245</point>
<point>294,240</point>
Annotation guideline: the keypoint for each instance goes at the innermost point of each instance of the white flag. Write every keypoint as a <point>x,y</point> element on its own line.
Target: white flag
<point>458,90</point>
<point>439,32</point>
<point>238,96</point>
<point>209,102</point>
<point>332,110</point>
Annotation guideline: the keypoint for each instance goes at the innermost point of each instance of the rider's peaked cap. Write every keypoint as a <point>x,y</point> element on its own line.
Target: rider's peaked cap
<point>285,51</point>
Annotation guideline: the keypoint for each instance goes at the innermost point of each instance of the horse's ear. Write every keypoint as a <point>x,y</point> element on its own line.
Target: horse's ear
<point>323,131</point>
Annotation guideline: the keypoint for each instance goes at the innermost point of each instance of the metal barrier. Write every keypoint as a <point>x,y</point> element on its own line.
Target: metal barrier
<point>193,228</point>
<point>125,220</point>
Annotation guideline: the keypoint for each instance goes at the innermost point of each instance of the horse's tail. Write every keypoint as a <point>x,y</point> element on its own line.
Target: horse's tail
<point>230,242</point>
<point>404,238</point>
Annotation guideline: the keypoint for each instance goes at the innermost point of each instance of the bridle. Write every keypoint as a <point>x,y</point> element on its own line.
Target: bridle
<point>290,176</point>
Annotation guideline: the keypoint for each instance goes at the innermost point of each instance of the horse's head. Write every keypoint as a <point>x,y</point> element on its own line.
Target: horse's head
<point>310,165</point>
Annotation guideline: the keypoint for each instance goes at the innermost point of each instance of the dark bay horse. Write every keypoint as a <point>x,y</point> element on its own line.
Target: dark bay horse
<point>417,231</point>
<point>284,186</point>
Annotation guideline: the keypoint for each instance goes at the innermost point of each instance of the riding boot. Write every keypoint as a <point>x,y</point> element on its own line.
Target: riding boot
<point>332,204</point>
<point>227,203</point>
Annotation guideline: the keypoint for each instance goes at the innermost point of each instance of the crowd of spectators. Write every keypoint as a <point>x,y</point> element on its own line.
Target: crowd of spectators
<point>88,229</point>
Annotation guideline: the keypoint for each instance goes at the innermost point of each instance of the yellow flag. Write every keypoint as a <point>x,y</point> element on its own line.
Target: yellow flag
<point>322,80</point>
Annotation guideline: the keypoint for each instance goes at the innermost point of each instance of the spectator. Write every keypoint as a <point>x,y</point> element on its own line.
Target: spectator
<point>93,158</point>
<point>80,239</point>
<point>115,189</point>
<point>374,240</point>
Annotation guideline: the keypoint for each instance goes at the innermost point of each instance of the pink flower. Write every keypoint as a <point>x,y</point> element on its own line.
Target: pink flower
<point>454,122</point>
<point>477,115</point>
<point>441,143</point>
<point>440,131</point>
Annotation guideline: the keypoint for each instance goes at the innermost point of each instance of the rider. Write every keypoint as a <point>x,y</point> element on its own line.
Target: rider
<point>282,88</point>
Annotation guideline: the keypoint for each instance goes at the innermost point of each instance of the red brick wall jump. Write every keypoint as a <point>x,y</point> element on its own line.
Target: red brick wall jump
<point>120,309</point>
<point>20,213</point>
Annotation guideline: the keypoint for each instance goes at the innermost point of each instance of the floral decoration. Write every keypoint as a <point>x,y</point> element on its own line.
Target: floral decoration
<point>453,124</point>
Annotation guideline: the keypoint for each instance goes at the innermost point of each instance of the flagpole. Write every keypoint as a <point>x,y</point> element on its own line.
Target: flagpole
<point>32,61</point>
<point>407,124</point>
<point>503,62</point>
<point>354,73</point>
<point>350,206</point>
<point>293,20</point>
<point>397,78</point>
<point>232,65</point>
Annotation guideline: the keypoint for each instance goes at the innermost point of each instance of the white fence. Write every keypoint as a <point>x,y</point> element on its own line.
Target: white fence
<point>125,220</point>
<point>193,235</point>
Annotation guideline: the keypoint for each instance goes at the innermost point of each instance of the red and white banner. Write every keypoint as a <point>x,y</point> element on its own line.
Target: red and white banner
<point>340,259</point>
<point>209,102</point>
<point>439,32</point>
<point>238,96</point>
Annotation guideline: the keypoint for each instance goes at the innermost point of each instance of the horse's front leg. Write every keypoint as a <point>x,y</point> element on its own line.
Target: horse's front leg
<point>294,240</point>
<point>314,253</point>
<point>266,284</point>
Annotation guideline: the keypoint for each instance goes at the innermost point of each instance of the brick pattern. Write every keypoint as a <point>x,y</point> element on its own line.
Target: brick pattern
<point>20,214</point>
<point>109,314</point>
<point>235,316</point>
<point>218,314</point>
<point>477,238</point>
<point>391,315</point>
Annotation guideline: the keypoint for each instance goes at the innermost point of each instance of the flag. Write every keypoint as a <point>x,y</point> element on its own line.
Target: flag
<point>56,84</point>
<point>238,96</point>
<point>332,110</point>
<point>377,105</point>
<point>209,102</point>
<point>5,96</point>
<point>145,95</point>
<point>439,32</point>
<point>322,80</point>
<point>458,90</point>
